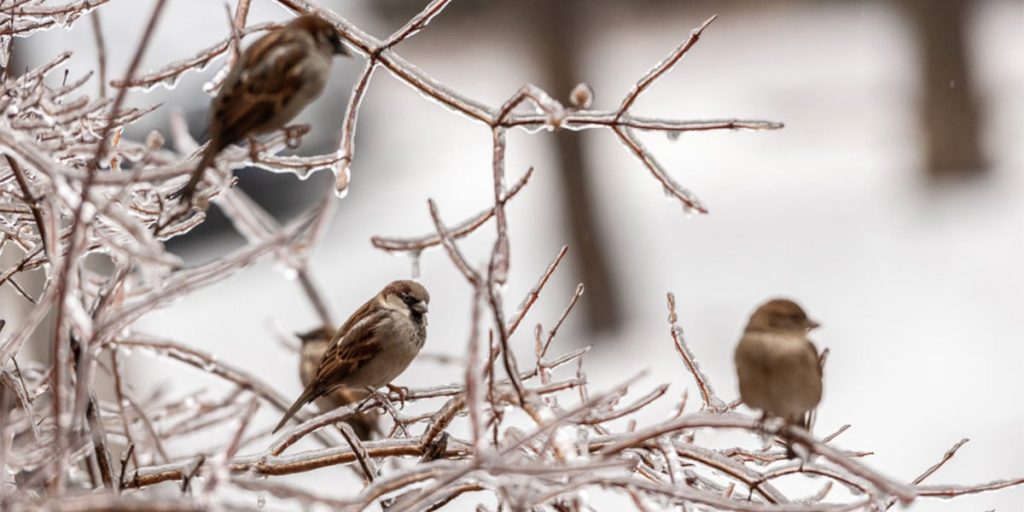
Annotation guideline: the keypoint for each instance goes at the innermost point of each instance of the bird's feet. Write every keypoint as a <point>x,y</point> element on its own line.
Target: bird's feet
<point>254,149</point>
<point>402,393</point>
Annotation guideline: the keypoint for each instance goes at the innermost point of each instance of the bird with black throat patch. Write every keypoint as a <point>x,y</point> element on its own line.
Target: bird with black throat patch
<point>373,347</point>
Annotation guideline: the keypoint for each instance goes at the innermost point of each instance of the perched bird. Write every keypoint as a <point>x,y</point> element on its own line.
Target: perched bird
<point>314,345</point>
<point>273,80</point>
<point>777,365</point>
<point>374,345</point>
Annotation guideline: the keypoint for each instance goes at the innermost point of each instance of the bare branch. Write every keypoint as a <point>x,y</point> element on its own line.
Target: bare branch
<point>460,230</point>
<point>662,67</point>
<point>711,401</point>
<point>77,181</point>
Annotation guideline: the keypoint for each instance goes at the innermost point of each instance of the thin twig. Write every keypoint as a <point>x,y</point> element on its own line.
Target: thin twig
<point>707,393</point>
<point>30,199</point>
<point>460,230</point>
<point>63,280</point>
<point>565,313</point>
<point>534,294</point>
<point>101,52</point>
<point>662,67</point>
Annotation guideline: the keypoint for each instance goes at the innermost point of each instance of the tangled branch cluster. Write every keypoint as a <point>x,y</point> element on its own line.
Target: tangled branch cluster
<point>73,186</point>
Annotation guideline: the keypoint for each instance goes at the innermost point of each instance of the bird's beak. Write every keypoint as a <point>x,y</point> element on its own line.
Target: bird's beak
<point>811,324</point>
<point>420,307</point>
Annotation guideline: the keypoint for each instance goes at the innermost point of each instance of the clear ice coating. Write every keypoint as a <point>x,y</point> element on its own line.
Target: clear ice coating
<point>5,50</point>
<point>210,364</point>
<point>211,86</point>
<point>129,246</point>
<point>342,175</point>
<point>415,257</point>
<point>287,271</point>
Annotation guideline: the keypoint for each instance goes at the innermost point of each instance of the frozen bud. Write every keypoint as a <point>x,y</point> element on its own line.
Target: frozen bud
<point>582,96</point>
<point>155,140</point>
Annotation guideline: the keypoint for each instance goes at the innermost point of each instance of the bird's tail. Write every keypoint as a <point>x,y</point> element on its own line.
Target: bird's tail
<point>804,421</point>
<point>209,153</point>
<point>308,395</point>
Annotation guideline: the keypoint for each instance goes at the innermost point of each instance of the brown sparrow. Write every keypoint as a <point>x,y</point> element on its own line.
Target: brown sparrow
<point>777,365</point>
<point>273,80</point>
<point>374,346</point>
<point>314,345</point>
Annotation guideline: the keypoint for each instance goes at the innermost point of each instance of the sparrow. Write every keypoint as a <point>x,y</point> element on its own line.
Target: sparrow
<point>273,80</point>
<point>314,345</point>
<point>373,347</point>
<point>777,365</point>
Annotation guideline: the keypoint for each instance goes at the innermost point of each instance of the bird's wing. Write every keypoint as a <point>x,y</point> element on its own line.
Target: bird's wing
<point>807,419</point>
<point>264,78</point>
<point>351,349</point>
<point>361,313</point>
<point>817,355</point>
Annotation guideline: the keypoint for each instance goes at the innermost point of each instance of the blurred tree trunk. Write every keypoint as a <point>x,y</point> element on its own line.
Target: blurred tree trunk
<point>556,30</point>
<point>949,109</point>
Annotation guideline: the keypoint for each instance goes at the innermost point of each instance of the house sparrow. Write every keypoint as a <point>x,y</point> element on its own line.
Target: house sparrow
<point>374,345</point>
<point>273,80</point>
<point>777,365</point>
<point>314,345</point>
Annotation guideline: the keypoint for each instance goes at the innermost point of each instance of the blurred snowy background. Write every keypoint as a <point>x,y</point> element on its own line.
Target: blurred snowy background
<point>907,250</point>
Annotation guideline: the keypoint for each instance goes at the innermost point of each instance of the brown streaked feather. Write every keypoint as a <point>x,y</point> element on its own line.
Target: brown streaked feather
<point>312,23</point>
<point>252,98</point>
<point>316,342</point>
<point>352,348</point>
<point>349,350</point>
<point>347,353</point>
<point>273,81</point>
<point>357,315</point>
<point>375,344</point>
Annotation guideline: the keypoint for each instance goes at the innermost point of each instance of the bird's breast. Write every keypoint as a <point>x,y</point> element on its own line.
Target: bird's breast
<point>401,340</point>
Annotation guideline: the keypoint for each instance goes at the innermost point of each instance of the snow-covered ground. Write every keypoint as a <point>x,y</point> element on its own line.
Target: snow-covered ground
<point>920,289</point>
